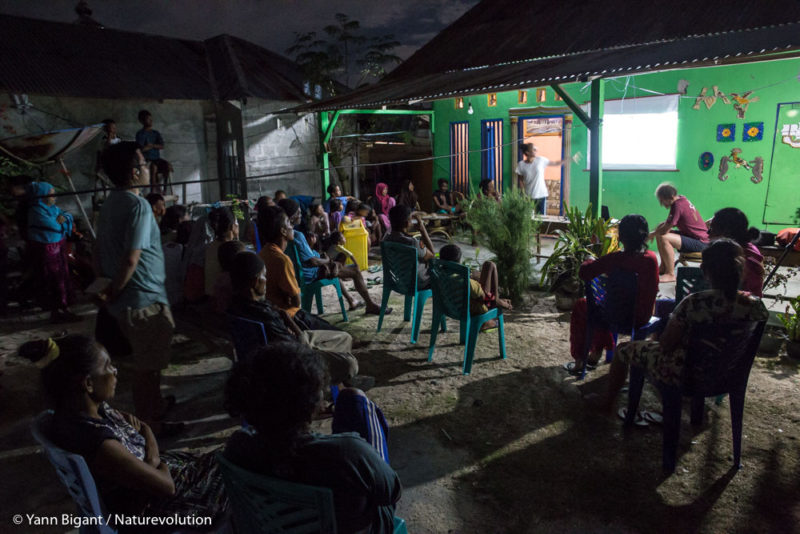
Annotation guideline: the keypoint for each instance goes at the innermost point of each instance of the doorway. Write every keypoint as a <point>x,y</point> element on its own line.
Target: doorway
<point>547,133</point>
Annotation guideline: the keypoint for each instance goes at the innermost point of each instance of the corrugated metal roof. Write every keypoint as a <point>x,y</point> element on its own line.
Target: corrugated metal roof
<point>498,31</point>
<point>498,56</point>
<point>53,58</point>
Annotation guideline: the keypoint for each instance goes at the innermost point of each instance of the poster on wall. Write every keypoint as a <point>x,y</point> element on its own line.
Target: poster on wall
<point>783,179</point>
<point>543,126</point>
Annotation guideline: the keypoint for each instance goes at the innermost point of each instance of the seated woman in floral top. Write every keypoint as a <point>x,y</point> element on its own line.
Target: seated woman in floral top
<point>132,475</point>
<point>664,359</point>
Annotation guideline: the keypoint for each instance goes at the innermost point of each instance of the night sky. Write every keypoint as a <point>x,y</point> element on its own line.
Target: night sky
<point>269,23</point>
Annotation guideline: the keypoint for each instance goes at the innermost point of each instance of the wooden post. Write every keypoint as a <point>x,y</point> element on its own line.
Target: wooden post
<point>596,156</point>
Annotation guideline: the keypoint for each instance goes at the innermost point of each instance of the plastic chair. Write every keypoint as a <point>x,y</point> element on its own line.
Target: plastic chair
<point>313,289</point>
<point>400,275</point>
<point>611,304</point>
<point>74,474</point>
<point>248,335</point>
<point>450,283</point>
<point>718,361</point>
<point>263,504</point>
<point>689,280</point>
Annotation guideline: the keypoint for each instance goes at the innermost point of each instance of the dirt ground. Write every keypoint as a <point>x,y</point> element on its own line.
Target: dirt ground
<point>511,448</point>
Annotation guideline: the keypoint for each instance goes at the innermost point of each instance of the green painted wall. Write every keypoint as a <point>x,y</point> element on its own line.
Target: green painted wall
<point>625,192</point>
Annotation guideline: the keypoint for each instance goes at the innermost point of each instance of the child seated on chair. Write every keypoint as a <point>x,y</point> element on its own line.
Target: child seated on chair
<point>400,217</point>
<point>483,286</point>
<point>633,232</point>
<point>664,359</point>
<point>279,392</point>
<point>132,475</point>
<point>319,224</point>
<point>335,216</point>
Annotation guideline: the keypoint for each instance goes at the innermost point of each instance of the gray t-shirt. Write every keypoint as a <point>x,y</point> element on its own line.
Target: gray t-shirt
<point>423,278</point>
<point>127,223</point>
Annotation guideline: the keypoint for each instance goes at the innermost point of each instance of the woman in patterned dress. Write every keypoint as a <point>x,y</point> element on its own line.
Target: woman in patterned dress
<point>664,359</point>
<point>132,475</point>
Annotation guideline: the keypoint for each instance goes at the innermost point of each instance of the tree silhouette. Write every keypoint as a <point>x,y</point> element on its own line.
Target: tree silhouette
<point>328,62</point>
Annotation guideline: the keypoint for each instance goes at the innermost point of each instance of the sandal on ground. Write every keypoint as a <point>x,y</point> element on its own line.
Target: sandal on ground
<point>374,268</point>
<point>489,325</point>
<point>356,305</point>
<point>652,417</point>
<point>377,311</point>
<point>574,369</point>
<point>639,420</point>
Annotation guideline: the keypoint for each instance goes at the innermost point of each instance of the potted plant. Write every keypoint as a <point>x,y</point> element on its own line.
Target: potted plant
<point>586,236</point>
<point>790,320</point>
<point>506,228</point>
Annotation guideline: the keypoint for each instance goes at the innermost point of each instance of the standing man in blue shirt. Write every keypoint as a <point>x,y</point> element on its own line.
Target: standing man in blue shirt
<point>128,251</point>
<point>151,144</point>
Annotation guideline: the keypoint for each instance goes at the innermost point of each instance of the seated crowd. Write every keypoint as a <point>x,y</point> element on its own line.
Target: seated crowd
<point>154,257</point>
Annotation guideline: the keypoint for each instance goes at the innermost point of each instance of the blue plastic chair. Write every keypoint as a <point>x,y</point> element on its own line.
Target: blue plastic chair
<point>611,305</point>
<point>400,275</point>
<point>309,290</point>
<point>263,504</point>
<point>74,474</point>
<point>718,361</point>
<point>450,283</point>
<point>248,335</point>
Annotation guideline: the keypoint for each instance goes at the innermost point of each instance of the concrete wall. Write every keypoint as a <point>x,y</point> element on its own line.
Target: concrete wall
<point>280,143</point>
<point>181,123</point>
<point>770,204</point>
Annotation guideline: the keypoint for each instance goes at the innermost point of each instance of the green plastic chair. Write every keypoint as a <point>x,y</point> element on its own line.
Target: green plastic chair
<point>313,289</point>
<point>689,280</point>
<point>263,504</point>
<point>450,284</point>
<point>400,275</point>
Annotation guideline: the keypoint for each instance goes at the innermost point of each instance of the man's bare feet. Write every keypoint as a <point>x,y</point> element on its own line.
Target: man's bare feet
<point>664,278</point>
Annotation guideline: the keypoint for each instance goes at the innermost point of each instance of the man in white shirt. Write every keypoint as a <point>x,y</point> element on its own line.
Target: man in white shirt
<point>530,176</point>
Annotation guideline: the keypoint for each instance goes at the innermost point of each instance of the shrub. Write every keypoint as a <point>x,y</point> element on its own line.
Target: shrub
<point>506,228</point>
<point>586,236</point>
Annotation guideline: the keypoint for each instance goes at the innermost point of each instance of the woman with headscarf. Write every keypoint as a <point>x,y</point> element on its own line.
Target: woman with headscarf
<point>382,203</point>
<point>48,228</point>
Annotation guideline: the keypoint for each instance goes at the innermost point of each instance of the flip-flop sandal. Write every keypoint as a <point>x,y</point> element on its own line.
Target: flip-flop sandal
<point>374,268</point>
<point>639,420</point>
<point>356,306</point>
<point>570,367</point>
<point>652,417</point>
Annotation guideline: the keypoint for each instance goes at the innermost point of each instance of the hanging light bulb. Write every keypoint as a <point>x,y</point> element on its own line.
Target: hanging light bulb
<point>470,110</point>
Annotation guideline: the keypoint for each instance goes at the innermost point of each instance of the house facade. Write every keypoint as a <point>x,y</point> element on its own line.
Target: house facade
<point>683,126</point>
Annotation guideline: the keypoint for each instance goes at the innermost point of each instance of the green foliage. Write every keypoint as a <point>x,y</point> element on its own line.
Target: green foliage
<point>506,228</point>
<point>790,319</point>
<point>586,236</point>
<point>344,50</point>
<point>236,206</point>
<point>8,169</point>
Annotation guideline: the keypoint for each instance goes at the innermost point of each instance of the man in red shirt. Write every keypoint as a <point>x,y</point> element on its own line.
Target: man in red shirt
<point>692,234</point>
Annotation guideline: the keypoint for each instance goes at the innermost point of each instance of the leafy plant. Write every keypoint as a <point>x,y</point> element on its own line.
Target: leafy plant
<point>236,206</point>
<point>8,169</point>
<point>781,278</point>
<point>586,236</point>
<point>506,228</point>
<point>790,319</point>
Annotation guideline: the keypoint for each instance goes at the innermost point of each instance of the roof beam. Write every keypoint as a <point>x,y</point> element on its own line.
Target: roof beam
<point>576,109</point>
